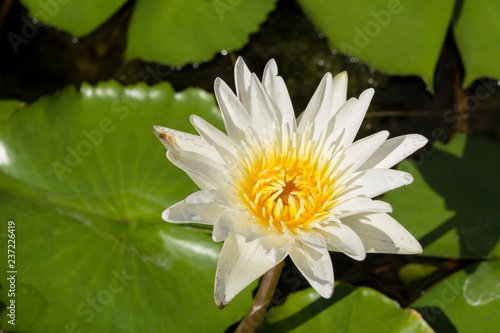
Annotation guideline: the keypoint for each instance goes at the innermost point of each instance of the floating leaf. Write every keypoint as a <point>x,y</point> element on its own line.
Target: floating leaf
<point>85,181</point>
<point>467,301</point>
<point>478,46</point>
<point>167,31</point>
<point>452,206</point>
<point>396,37</point>
<point>180,32</point>
<point>7,107</point>
<point>349,310</point>
<point>78,17</point>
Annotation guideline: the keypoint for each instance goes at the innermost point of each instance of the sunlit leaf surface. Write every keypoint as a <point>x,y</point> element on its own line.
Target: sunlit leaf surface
<point>179,32</point>
<point>76,16</point>
<point>467,301</point>
<point>452,206</point>
<point>476,33</point>
<point>349,310</point>
<point>396,37</point>
<point>85,181</point>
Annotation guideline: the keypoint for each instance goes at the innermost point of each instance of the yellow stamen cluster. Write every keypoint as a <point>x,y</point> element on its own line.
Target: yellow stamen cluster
<point>287,186</point>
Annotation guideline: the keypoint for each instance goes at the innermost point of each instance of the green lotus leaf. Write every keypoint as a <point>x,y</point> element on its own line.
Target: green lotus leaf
<point>467,301</point>
<point>452,206</point>
<point>167,31</point>
<point>76,16</point>
<point>400,37</point>
<point>349,310</point>
<point>479,46</point>
<point>179,32</point>
<point>7,107</point>
<point>85,181</point>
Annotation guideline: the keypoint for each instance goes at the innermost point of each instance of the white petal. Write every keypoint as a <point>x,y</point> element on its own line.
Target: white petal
<point>374,182</point>
<point>262,111</point>
<point>318,110</point>
<point>176,140</point>
<point>315,241</point>
<point>204,206</point>
<point>318,272</point>
<point>350,116</point>
<point>242,77</point>
<point>341,238</point>
<point>394,151</point>
<point>236,117</point>
<point>381,233</point>
<point>220,141</point>
<point>276,89</point>
<point>275,246</point>
<point>358,205</point>
<point>206,173</point>
<point>270,72</point>
<point>230,221</point>
<point>240,263</point>
<point>339,92</point>
<point>357,153</point>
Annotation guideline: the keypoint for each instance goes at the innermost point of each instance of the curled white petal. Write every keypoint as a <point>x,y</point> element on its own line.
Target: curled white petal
<point>230,221</point>
<point>176,140</point>
<point>318,270</point>
<point>204,207</point>
<point>341,238</point>
<point>381,233</point>
<point>206,173</point>
<point>394,151</point>
<point>357,153</point>
<point>240,263</point>
<point>374,182</point>
<point>356,205</point>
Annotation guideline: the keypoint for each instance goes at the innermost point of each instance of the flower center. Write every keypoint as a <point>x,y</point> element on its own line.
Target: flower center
<point>287,189</point>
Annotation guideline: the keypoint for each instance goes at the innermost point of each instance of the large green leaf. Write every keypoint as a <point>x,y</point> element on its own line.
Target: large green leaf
<point>349,310</point>
<point>452,206</point>
<point>477,40</point>
<point>174,32</point>
<point>180,32</point>
<point>85,181</point>
<point>7,107</point>
<point>467,301</point>
<point>396,37</point>
<point>76,16</point>
<point>452,209</point>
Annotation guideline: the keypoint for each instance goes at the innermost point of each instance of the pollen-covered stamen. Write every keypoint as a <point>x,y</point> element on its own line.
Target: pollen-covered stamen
<point>287,186</point>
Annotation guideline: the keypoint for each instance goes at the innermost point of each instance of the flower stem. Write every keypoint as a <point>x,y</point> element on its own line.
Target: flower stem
<point>262,299</point>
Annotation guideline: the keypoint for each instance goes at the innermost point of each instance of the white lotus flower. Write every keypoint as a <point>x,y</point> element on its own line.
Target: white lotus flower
<point>277,186</point>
